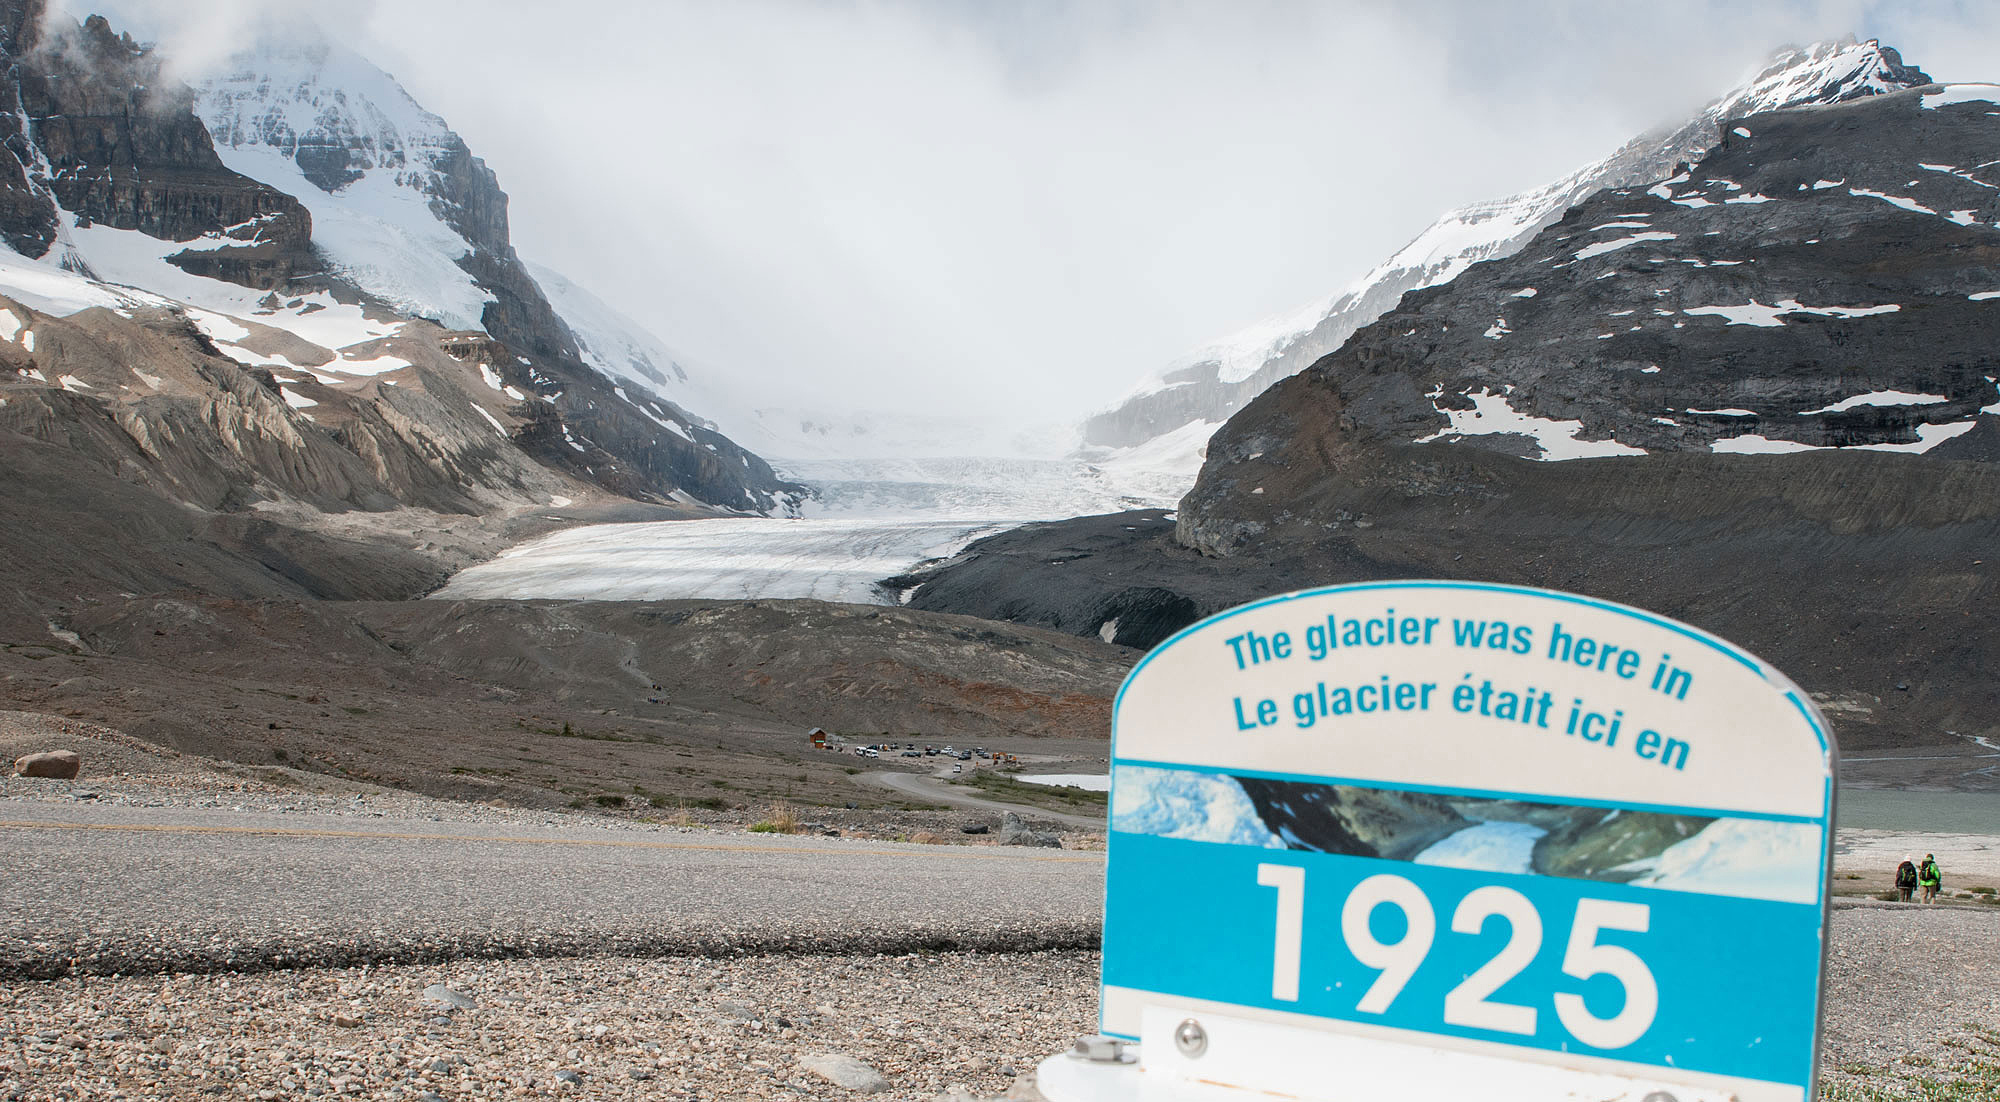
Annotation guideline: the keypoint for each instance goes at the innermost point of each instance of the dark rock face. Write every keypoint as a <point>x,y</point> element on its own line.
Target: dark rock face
<point>1757,321</point>
<point>579,422</point>
<point>98,131</point>
<point>1211,389</point>
<point>1365,822</point>
<point>1781,294</point>
<point>1070,576</point>
<point>1596,844</point>
<point>202,430</point>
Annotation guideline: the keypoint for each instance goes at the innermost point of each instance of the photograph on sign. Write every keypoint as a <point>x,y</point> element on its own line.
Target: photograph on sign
<point>1527,829</point>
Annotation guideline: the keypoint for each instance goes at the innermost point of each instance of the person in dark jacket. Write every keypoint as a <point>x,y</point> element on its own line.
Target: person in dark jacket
<point>1906,879</point>
<point>1929,877</point>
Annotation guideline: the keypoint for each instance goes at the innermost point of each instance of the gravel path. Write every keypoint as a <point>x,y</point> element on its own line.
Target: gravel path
<point>121,889</point>
<point>937,789</point>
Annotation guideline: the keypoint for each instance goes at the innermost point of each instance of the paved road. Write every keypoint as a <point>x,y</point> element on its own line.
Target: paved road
<point>936,788</point>
<point>119,889</point>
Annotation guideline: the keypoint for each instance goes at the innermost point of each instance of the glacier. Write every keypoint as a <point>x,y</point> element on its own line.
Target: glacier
<point>1174,803</point>
<point>873,518</point>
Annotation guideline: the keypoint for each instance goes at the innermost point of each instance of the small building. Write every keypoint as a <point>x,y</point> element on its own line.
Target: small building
<point>818,736</point>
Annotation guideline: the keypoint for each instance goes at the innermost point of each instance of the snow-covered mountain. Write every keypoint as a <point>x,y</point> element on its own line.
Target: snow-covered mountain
<point>1194,395</point>
<point>397,201</point>
<point>301,208</point>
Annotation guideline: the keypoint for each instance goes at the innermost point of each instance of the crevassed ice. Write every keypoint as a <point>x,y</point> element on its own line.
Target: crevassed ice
<point>1496,846</point>
<point>1741,857</point>
<point>1176,803</point>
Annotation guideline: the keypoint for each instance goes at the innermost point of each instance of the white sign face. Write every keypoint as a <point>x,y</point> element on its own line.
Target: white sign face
<point>1511,824</point>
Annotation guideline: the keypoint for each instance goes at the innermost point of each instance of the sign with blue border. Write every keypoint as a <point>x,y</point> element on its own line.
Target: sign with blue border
<point>1478,817</point>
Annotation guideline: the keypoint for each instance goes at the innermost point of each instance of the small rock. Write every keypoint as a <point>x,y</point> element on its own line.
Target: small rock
<point>429,1096</point>
<point>1014,831</point>
<point>441,1067</point>
<point>845,1071</point>
<point>347,1021</point>
<point>439,993</point>
<point>61,765</point>
<point>973,828</point>
<point>86,794</point>
<point>568,1076</point>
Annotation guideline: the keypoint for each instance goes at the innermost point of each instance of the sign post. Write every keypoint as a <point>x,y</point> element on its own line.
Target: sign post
<point>1426,840</point>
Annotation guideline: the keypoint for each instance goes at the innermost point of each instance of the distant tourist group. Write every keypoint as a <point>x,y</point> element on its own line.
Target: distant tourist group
<point>1910,876</point>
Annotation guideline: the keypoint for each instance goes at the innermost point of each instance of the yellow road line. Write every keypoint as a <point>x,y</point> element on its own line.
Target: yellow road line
<point>954,852</point>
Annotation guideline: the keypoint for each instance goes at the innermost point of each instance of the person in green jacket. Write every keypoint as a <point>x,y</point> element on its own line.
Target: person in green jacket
<point>1929,878</point>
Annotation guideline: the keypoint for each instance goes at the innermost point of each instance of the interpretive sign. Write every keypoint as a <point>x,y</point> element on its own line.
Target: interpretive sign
<point>1443,835</point>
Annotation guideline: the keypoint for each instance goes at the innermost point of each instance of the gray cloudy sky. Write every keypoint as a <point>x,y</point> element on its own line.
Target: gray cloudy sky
<point>1019,207</point>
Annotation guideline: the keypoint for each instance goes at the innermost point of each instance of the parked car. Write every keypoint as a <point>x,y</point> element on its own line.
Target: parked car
<point>958,768</point>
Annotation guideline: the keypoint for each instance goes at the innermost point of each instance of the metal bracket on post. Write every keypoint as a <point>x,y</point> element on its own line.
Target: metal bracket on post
<point>1190,1053</point>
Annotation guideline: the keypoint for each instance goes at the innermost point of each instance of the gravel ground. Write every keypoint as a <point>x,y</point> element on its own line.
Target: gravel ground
<point>927,1024</point>
<point>1913,995</point>
<point>1912,1008</point>
<point>123,770</point>
<point>1913,999</point>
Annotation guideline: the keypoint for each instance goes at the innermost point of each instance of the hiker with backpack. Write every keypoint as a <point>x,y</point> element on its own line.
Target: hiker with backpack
<point>1906,880</point>
<point>1930,878</point>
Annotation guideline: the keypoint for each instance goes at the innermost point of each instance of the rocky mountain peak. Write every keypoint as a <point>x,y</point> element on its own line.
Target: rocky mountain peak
<point>1205,387</point>
<point>1824,72</point>
<point>403,207</point>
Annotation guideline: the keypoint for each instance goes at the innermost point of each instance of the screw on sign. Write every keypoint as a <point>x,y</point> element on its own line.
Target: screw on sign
<point>1444,839</point>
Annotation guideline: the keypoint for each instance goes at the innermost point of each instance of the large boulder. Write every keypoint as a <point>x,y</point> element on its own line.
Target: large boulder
<point>59,764</point>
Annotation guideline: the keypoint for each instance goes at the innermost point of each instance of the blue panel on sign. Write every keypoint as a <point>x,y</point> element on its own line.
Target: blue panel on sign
<point>1192,918</point>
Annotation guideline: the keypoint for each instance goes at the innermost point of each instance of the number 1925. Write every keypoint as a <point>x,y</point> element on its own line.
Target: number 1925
<point>1471,1003</point>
